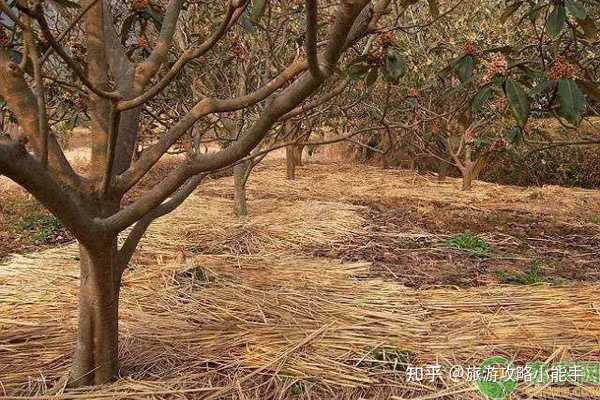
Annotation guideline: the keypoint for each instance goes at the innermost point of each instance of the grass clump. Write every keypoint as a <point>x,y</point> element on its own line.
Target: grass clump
<point>470,244</point>
<point>297,388</point>
<point>43,227</point>
<point>388,357</point>
<point>531,276</point>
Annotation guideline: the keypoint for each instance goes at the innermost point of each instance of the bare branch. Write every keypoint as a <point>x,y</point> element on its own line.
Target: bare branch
<point>146,70</point>
<point>290,98</point>
<point>72,25</point>
<point>203,108</point>
<point>40,97</point>
<point>136,234</point>
<point>21,167</point>
<point>9,12</point>
<point>22,102</point>
<point>39,16</point>
<point>187,56</point>
<point>113,133</point>
<point>312,29</point>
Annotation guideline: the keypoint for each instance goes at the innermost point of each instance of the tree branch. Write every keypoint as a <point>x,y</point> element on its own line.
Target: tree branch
<point>138,231</point>
<point>312,28</point>
<point>203,108</point>
<point>187,56</point>
<point>22,102</point>
<point>146,70</point>
<point>21,167</point>
<point>39,16</point>
<point>290,98</point>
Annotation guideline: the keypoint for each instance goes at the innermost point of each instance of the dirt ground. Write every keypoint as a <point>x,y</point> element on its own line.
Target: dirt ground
<point>331,285</point>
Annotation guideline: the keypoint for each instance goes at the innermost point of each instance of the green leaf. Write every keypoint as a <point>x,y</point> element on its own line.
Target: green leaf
<point>533,13</point>
<point>258,10</point>
<point>15,56</point>
<point>590,88</point>
<point>395,66</point>
<point>464,68</point>
<point>514,134</point>
<point>357,71</point>
<point>509,11</point>
<point>481,98</point>
<point>126,27</point>
<point>372,76</point>
<point>498,80</point>
<point>434,8</point>
<point>154,16</point>
<point>518,101</point>
<point>572,101</point>
<point>556,20</point>
<point>66,3</point>
<point>247,22</point>
<point>575,9</point>
<point>590,31</point>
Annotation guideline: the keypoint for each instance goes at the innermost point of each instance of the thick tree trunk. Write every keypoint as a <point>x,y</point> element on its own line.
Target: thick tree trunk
<point>290,162</point>
<point>96,358</point>
<point>239,178</point>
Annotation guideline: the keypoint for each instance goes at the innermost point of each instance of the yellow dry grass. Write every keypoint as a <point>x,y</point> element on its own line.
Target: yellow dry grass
<point>274,225</point>
<point>273,323</point>
<point>356,184</point>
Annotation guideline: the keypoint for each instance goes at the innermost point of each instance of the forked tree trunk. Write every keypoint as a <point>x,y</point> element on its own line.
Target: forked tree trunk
<point>239,178</point>
<point>96,358</point>
<point>290,162</point>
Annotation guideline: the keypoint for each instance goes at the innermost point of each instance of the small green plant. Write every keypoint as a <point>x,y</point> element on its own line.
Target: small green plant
<point>470,243</point>
<point>42,226</point>
<point>531,276</point>
<point>201,275</point>
<point>388,357</point>
<point>595,219</point>
<point>198,276</point>
<point>297,388</point>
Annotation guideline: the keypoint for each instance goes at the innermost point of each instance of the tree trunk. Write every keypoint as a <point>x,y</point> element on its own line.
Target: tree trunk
<point>239,178</point>
<point>96,358</point>
<point>298,150</point>
<point>412,163</point>
<point>442,171</point>
<point>290,162</point>
<point>467,182</point>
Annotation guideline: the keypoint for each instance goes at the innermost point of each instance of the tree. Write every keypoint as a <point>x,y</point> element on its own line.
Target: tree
<point>122,88</point>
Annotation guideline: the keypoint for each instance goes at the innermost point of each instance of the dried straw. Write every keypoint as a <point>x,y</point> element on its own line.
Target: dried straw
<point>249,317</point>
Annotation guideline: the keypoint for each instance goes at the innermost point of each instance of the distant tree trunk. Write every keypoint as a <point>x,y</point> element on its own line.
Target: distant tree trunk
<point>443,171</point>
<point>240,173</point>
<point>384,161</point>
<point>298,150</point>
<point>96,358</point>
<point>467,182</point>
<point>412,162</point>
<point>290,162</point>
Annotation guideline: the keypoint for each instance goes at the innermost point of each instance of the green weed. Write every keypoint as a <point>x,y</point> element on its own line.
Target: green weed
<point>471,244</point>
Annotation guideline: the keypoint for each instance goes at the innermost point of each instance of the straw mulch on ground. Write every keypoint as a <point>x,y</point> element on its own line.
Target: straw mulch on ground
<point>219,308</point>
<point>251,326</point>
<point>357,183</point>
